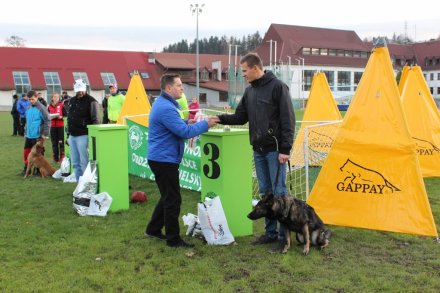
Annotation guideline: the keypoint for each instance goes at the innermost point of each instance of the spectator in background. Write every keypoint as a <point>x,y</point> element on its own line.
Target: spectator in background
<point>15,117</point>
<point>105,109</point>
<point>57,112</point>
<point>83,111</point>
<point>37,119</point>
<point>194,107</point>
<point>115,102</point>
<point>183,103</point>
<point>42,100</point>
<point>22,105</point>
<point>64,97</point>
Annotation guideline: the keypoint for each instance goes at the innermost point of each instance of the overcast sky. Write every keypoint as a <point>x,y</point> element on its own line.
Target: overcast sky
<point>145,25</point>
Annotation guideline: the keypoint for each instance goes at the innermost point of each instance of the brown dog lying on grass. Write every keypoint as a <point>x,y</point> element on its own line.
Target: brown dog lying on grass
<point>295,215</point>
<point>36,160</point>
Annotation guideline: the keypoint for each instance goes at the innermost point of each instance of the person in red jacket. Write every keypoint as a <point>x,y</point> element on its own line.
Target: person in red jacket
<point>56,111</point>
<point>194,107</point>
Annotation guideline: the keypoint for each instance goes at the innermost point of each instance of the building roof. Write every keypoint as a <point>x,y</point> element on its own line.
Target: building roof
<point>291,39</point>
<point>188,61</point>
<point>66,61</point>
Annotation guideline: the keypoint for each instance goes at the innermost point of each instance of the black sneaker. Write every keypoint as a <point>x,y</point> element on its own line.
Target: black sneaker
<point>264,239</point>
<point>159,236</point>
<point>180,243</point>
<point>278,247</point>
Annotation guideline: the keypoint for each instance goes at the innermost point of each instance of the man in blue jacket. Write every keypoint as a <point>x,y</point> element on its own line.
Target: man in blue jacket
<point>37,119</point>
<point>166,135</point>
<point>22,105</point>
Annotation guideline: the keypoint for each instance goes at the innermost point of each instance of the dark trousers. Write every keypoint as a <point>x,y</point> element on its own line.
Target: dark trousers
<point>57,139</point>
<point>166,213</point>
<point>16,125</point>
<point>22,126</point>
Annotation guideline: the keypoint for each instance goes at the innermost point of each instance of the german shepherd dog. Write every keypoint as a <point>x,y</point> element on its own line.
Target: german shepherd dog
<point>295,215</point>
<point>36,160</point>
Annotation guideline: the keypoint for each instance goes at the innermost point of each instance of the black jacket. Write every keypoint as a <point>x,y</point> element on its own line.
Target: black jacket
<point>267,106</point>
<point>82,112</point>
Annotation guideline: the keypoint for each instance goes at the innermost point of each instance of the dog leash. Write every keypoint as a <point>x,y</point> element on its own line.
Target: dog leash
<point>278,174</point>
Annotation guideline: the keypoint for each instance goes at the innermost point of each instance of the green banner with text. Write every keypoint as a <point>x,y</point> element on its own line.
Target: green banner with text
<point>189,170</point>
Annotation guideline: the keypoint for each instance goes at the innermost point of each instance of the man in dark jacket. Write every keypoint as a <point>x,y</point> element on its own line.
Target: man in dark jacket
<point>15,117</point>
<point>83,111</point>
<point>267,106</point>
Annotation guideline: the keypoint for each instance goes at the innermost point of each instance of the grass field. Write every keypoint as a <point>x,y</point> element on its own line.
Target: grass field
<point>46,247</point>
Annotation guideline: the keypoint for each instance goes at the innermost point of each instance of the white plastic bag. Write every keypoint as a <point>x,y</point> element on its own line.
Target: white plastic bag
<point>65,167</point>
<point>213,222</point>
<point>99,204</point>
<point>192,221</point>
<point>87,186</point>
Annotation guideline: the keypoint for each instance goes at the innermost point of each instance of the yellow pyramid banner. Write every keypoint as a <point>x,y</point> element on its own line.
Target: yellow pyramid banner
<point>423,120</point>
<point>403,77</point>
<point>136,106</point>
<point>371,178</point>
<point>321,106</point>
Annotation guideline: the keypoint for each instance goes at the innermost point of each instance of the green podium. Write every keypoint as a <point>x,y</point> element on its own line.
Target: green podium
<point>108,145</point>
<point>226,171</point>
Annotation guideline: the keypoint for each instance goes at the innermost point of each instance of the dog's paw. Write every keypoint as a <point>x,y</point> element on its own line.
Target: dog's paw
<point>306,251</point>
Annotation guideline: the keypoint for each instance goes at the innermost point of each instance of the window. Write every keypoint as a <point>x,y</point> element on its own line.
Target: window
<point>223,96</point>
<point>315,51</point>
<point>22,83</point>
<point>53,84</point>
<point>438,76</point>
<point>357,79</point>
<point>306,51</point>
<point>340,52</point>
<point>364,54</point>
<point>431,89</point>
<point>107,79</point>
<point>204,75</point>
<point>332,52</point>
<point>324,52</point>
<point>308,77</point>
<point>343,81</point>
<point>348,53</point>
<point>202,98</point>
<point>438,91</point>
<point>83,76</point>
<point>330,75</point>
<point>357,54</point>
<point>145,75</point>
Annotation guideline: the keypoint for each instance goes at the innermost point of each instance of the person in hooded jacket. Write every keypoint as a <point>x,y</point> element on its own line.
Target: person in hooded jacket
<point>22,105</point>
<point>267,106</point>
<point>83,111</point>
<point>37,120</point>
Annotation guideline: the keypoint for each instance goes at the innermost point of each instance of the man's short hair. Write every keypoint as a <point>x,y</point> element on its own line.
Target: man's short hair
<point>168,79</point>
<point>252,59</point>
<point>30,94</point>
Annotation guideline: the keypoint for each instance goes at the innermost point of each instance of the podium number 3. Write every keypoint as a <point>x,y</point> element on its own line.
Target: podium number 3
<point>212,168</point>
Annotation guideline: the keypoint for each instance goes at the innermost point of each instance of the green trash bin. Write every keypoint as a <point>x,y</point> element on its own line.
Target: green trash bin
<point>108,145</point>
<point>226,171</point>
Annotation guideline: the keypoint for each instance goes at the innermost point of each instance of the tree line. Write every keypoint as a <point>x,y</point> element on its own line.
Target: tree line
<point>216,45</point>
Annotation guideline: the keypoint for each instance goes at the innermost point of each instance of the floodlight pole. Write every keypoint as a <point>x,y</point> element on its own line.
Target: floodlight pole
<point>197,10</point>
<point>302,82</point>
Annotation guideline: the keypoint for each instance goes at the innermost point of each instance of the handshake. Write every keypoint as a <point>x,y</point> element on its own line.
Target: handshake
<point>212,121</point>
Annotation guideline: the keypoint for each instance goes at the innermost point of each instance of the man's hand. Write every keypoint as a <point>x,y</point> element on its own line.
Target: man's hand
<point>282,158</point>
<point>212,121</point>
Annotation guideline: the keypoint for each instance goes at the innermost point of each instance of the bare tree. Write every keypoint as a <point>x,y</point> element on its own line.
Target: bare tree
<point>15,41</point>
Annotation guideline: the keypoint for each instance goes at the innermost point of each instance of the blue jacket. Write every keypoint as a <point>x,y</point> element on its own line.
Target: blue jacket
<point>167,131</point>
<point>37,121</point>
<point>22,106</point>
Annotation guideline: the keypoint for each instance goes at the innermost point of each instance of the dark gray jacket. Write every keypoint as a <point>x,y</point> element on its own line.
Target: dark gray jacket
<point>267,106</point>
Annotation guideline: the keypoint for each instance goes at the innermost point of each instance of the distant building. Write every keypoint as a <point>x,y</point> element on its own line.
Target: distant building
<point>294,53</point>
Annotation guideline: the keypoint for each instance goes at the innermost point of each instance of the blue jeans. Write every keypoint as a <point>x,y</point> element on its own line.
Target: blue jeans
<point>79,153</point>
<point>266,167</point>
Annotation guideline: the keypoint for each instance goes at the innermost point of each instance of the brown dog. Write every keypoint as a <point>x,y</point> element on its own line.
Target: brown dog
<point>295,215</point>
<point>37,160</point>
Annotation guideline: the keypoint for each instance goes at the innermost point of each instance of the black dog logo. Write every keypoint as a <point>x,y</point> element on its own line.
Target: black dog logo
<point>361,179</point>
<point>425,147</point>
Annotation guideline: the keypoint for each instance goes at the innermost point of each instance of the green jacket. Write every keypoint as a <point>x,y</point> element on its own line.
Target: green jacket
<point>115,106</point>
<point>183,103</point>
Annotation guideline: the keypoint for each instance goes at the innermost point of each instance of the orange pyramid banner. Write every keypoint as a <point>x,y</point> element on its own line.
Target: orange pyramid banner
<point>423,120</point>
<point>136,106</point>
<point>371,178</point>
<point>321,106</point>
